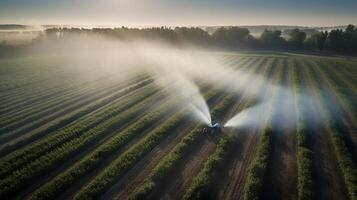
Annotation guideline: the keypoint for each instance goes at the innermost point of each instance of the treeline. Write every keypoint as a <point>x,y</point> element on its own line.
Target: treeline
<point>235,38</point>
<point>337,41</point>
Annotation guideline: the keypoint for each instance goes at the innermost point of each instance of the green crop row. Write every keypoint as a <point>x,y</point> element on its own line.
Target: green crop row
<point>46,162</point>
<point>74,99</point>
<point>344,157</point>
<point>45,89</point>
<point>37,120</point>
<point>124,162</point>
<point>33,169</point>
<point>170,161</point>
<point>344,86</point>
<point>21,157</point>
<point>167,164</point>
<point>61,122</point>
<point>204,180</point>
<point>258,168</point>
<point>257,171</point>
<point>337,91</point>
<point>30,101</point>
<point>26,113</point>
<point>91,161</point>
<point>200,186</point>
<point>304,153</point>
<point>109,175</point>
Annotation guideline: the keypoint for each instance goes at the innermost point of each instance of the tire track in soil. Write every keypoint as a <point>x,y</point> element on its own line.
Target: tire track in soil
<point>328,181</point>
<point>282,172</point>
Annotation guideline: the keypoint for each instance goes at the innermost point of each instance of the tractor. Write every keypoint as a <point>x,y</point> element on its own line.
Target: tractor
<point>213,128</point>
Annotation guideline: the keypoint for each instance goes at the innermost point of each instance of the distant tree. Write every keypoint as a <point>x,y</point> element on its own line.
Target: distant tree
<point>335,40</point>
<point>193,35</point>
<point>316,41</point>
<point>272,39</point>
<point>350,39</point>
<point>232,37</point>
<point>297,39</point>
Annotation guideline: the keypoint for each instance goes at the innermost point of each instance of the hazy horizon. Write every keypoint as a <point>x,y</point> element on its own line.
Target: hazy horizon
<point>183,13</point>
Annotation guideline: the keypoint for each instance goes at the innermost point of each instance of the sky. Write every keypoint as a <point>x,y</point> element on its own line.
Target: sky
<point>179,12</point>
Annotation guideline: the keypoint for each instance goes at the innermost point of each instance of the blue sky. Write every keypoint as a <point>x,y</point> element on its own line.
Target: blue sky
<point>180,12</point>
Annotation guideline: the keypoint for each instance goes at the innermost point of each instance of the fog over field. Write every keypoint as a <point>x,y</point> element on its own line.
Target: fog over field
<point>189,100</point>
<point>183,67</point>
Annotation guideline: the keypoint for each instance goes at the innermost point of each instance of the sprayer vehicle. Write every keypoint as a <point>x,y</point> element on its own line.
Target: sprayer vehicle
<point>213,128</point>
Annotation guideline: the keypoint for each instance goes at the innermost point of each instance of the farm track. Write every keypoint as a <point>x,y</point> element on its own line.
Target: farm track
<point>282,171</point>
<point>326,173</point>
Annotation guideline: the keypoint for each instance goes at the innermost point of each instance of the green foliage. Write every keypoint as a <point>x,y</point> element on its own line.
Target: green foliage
<point>24,156</point>
<point>34,168</point>
<point>344,157</point>
<point>346,164</point>
<point>304,169</point>
<point>304,154</point>
<point>66,120</point>
<point>272,39</point>
<point>143,191</point>
<point>92,160</point>
<point>258,169</point>
<point>200,186</point>
<point>338,40</point>
<point>297,39</point>
<point>120,165</point>
<point>169,162</point>
<point>232,37</point>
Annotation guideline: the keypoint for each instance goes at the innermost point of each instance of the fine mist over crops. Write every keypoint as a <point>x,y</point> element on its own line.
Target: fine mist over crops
<point>181,100</point>
<point>145,101</point>
<point>181,68</point>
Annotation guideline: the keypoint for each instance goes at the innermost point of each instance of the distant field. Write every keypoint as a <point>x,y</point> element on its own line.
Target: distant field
<point>63,137</point>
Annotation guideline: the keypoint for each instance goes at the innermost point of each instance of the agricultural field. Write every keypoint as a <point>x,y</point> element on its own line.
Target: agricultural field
<point>64,137</point>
